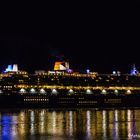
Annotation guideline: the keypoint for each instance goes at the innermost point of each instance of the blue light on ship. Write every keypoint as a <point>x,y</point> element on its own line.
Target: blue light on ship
<point>88,71</point>
<point>9,68</point>
<point>134,70</point>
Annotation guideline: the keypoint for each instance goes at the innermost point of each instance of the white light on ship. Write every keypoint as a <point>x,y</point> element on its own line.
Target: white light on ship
<point>32,90</point>
<point>71,91</point>
<point>42,91</point>
<point>128,91</point>
<point>103,91</point>
<point>54,91</point>
<point>116,91</point>
<point>22,90</point>
<point>1,91</point>
<point>88,91</point>
<point>114,72</point>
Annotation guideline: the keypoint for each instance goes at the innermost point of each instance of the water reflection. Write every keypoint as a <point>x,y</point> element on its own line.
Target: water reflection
<point>115,125</point>
<point>104,125</point>
<point>72,124</point>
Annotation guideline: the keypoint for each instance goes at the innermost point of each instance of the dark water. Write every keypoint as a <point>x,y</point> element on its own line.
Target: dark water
<point>73,124</point>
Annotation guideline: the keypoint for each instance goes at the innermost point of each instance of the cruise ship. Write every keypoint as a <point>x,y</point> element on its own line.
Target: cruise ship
<point>64,88</point>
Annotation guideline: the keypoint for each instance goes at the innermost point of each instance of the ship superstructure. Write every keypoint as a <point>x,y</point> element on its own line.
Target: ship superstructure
<point>63,78</point>
<point>67,87</point>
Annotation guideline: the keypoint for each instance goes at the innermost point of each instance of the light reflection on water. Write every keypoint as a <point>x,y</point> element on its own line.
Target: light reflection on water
<point>69,124</point>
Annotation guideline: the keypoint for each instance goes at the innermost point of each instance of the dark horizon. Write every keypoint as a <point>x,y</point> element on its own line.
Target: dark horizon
<point>102,40</point>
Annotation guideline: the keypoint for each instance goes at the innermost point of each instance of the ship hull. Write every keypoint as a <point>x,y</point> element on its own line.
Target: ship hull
<point>69,101</point>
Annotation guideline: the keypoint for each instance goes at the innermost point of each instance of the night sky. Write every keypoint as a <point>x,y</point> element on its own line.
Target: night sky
<point>100,38</point>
